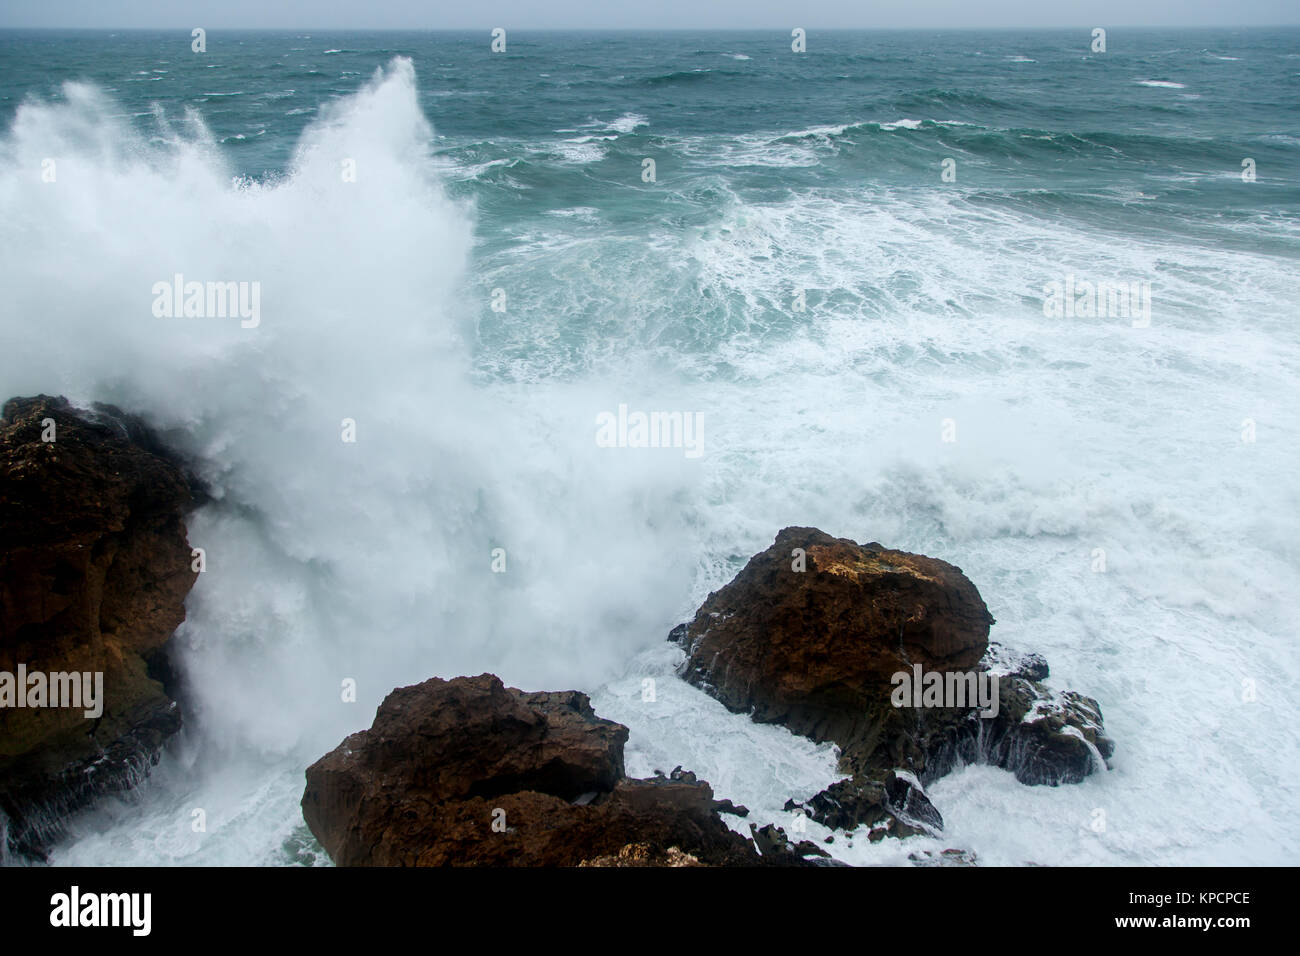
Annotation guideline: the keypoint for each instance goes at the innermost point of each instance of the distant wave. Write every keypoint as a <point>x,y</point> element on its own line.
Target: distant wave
<point>628,122</point>
<point>923,99</point>
<point>686,76</point>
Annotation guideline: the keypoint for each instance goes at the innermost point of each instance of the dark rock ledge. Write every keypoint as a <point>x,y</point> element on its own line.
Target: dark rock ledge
<point>94,570</point>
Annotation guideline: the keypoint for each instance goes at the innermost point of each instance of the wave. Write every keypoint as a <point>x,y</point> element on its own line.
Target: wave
<point>628,122</point>
<point>328,560</point>
<point>944,98</point>
<point>680,77</point>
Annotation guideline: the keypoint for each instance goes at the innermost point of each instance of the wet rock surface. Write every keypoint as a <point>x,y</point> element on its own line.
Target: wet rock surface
<point>811,633</point>
<point>94,570</point>
<point>469,772</point>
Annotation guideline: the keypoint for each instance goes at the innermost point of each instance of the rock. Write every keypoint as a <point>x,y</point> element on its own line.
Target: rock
<point>1001,660</point>
<point>775,847</point>
<point>94,571</point>
<point>812,649</point>
<point>810,634</point>
<point>770,840</point>
<point>893,804</point>
<point>468,772</point>
<point>808,848</point>
<point>726,806</point>
<point>643,854</point>
<point>1032,667</point>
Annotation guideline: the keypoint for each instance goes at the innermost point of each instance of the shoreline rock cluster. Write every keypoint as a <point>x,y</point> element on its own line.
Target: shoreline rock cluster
<point>94,570</point>
<point>813,634</point>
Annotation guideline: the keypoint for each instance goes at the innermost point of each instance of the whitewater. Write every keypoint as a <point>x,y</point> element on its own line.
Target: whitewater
<point>371,561</point>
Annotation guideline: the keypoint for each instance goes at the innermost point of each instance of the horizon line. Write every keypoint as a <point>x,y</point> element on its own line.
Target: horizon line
<point>660,29</point>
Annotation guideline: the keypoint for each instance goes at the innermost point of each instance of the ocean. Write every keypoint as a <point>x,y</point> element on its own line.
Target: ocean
<point>839,263</point>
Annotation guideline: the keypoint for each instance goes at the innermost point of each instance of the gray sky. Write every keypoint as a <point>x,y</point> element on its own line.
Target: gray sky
<point>656,14</point>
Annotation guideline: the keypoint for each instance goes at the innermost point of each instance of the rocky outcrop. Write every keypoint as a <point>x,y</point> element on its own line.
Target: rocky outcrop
<point>811,634</point>
<point>468,772</point>
<point>94,570</point>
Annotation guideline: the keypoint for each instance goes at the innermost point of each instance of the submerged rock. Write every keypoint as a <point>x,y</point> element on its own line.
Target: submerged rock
<point>94,570</point>
<point>468,772</point>
<point>812,633</point>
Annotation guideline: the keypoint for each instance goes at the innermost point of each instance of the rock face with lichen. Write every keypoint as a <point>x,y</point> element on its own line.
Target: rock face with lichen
<point>469,772</point>
<point>94,571</point>
<point>643,854</point>
<point>810,634</point>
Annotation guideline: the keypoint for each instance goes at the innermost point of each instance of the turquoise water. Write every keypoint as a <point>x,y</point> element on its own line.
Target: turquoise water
<point>921,317</point>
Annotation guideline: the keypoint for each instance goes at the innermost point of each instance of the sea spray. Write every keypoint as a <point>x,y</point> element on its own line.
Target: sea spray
<point>335,557</point>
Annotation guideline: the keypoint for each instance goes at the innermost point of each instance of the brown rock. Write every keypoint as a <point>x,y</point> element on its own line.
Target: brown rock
<point>94,570</point>
<point>812,649</point>
<point>468,772</point>
<point>809,635</point>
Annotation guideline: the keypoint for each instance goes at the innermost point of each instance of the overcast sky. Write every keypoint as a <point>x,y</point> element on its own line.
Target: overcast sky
<point>656,14</point>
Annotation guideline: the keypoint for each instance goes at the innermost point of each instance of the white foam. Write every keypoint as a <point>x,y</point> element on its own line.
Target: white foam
<point>628,122</point>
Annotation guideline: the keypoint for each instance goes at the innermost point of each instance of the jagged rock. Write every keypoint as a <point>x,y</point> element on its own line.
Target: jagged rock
<point>94,571</point>
<point>1032,667</point>
<point>808,848</point>
<point>726,806</point>
<point>894,804</point>
<point>810,634</point>
<point>770,839</point>
<point>774,846</point>
<point>470,772</point>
